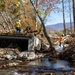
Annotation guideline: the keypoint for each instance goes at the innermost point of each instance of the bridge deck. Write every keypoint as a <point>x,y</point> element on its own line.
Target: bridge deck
<point>15,37</point>
<point>18,40</point>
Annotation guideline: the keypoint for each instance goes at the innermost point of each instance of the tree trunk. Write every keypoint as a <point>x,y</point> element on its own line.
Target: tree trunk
<point>73,14</point>
<point>44,29</point>
<point>70,15</point>
<point>64,18</point>
<point>45,33</point>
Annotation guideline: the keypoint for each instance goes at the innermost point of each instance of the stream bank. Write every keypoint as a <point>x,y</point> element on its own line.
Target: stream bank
<point>23,63</point>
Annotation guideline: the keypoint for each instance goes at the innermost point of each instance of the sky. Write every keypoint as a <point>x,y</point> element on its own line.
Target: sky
<point>55,18</point>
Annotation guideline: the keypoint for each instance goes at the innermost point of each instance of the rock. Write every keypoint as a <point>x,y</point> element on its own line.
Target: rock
<point>1,59</point>
<point>9,57</point>
<point>37,43</point>
<point>16,51</point>
<point>11,52</point>
<point>13,64</point>
<point>68,39</point>
<point>31,55</point>
<point>2,51</point>
<point>66,45</point>
<point>15,73</point>
<point>14,56</point>
<point>23,54</point>
<point>38,47</point>
<point>73,57</point>
<point>45,46</point>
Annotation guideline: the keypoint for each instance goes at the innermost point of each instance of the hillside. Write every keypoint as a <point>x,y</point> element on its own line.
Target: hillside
<point>57,27</point>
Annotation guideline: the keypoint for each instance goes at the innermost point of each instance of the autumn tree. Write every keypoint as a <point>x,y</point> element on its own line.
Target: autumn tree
<point>13,10</point>
<point>43,8</point>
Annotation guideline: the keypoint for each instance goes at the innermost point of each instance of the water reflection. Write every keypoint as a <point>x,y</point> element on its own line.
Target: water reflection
<point>58,64</point>
<point>58,48</point>
<point>41,62</point>
<point>42,65</point>
<point>61,64</point>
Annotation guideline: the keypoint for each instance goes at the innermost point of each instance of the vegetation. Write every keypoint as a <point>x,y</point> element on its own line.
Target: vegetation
<point>34,13</point>
<point>12,11</point>
<point>43,9</point>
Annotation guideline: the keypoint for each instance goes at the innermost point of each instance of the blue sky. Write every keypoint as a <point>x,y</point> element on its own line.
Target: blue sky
<point>55,18</point>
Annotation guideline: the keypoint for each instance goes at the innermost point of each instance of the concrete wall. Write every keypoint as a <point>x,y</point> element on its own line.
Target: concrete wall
<point>31,44</point>
<point>34,42</point>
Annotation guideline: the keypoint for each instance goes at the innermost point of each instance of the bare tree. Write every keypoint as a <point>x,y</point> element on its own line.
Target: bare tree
<point>74,13</point>
<point>44,29</point>
<point>64,18</point>
<point>70,15</point>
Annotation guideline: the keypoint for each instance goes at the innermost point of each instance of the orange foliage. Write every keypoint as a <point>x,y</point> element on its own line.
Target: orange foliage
<point>28,17</point>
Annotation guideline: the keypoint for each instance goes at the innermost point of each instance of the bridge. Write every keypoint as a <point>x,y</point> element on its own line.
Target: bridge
<point>20,41</point>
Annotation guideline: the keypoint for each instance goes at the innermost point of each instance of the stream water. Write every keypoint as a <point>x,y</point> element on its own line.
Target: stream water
<point>40,66</point>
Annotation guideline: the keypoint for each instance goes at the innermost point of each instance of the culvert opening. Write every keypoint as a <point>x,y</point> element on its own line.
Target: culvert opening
<point>24,43</point>
<point>9,43</point>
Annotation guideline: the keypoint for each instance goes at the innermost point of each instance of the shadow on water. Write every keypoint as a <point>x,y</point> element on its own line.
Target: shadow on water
<point>45,66</point>
<point>42,65</point>
<point>57,64</point>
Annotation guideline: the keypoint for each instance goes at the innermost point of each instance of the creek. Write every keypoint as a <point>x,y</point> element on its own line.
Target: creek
<point>40,66</point>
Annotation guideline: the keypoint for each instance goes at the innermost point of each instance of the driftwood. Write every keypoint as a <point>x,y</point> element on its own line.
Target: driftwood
<point>69,52</point>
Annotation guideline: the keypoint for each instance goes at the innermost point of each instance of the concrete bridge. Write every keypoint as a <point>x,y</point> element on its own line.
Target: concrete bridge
<point>24,43</point>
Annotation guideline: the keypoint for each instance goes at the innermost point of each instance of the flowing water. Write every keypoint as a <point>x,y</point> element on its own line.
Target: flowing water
<point>40,66</point>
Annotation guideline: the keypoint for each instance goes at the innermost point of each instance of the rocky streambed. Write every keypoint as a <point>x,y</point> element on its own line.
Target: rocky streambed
<point>10,57</point>
<point>38,67</point>
<point>15,62</point>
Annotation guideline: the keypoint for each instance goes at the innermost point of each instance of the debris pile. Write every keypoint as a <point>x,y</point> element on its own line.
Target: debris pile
<point>69,52</point>
<point>68,38</point>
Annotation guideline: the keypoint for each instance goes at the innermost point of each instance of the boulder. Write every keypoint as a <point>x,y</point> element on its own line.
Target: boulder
<point>68,39</point>
<point>31,55</point>
<point>45,46</point>
<point>23,54</point>
<point>9,57</point>
<point>37,43</point>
